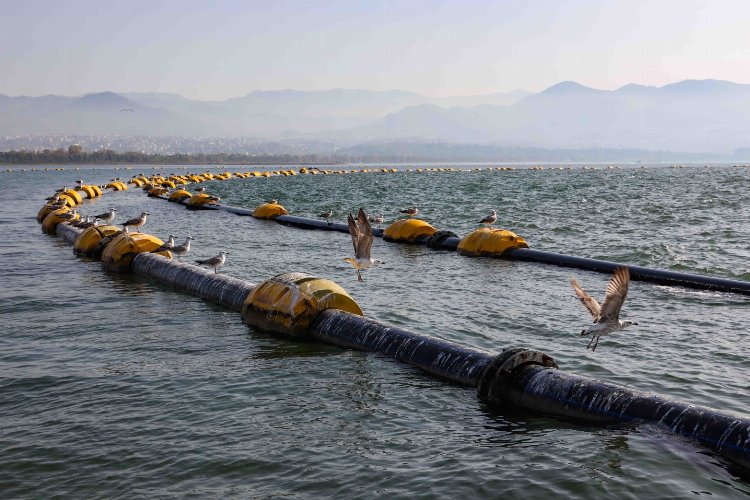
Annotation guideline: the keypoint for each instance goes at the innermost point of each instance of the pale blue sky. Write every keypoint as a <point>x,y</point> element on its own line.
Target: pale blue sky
<point>216,49</point>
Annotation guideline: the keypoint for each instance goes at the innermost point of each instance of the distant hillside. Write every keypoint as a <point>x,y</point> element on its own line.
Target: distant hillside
<point>693,116</point>
<point>263,114</point>
<point>690,116</point>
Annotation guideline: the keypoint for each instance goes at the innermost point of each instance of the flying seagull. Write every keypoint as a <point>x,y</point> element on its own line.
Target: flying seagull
<point>411,211</point>
<point>490,219</point>
<point>362,237</point>
<point>607,315</point>
<point>215,262</point>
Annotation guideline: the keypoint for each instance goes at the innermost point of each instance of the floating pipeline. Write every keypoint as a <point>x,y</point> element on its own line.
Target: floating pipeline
<point>218,288</point>
<point>520,378</point>
<point>442,240</point>
<point>658,276</point>
<point>445,240</point>
<point>562,394</point>
<point>530,380</point>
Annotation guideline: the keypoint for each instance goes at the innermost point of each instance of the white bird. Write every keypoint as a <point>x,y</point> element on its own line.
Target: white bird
<point>606,316</point>
<point>215,262</point>
<point>327,215</point>
<point>362,237</point>
<point>106,217</point>
<point>136,222</point>
<point>182,250</point>
<point>169,245</point>
<point>378,219</point>
<point>272,201</point>
<point>411,211</point>
<point>490,219</point>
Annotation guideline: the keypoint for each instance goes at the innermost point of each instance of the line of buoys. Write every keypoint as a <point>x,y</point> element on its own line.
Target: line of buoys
<point>486,242</point>
<point>299,305</point>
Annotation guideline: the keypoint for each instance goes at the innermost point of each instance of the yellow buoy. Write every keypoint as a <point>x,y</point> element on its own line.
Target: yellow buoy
<point>118,254</point>
<point>288,303</point>
<point>52,219</point>
<point>157,191</point>
<point>92,240</point>
<point>408,230</point>
<point>490,242</point>
<point>179,195</point>
<point>200,199</point>
<point>269,211</point>
<point>75,195</point>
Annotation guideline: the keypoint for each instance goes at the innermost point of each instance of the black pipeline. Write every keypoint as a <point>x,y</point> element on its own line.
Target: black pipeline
<point>529,379</point>
<point>519,377</point>
<point>637,273</point>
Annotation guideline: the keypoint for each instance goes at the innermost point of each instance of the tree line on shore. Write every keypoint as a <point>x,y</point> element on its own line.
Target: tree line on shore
<point>75,155</point>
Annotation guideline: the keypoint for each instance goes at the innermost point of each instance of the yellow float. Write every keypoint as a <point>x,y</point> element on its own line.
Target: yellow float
<point>488,242</point>
<point>408,230</point>
<point>269,211</point>
<point>118,254</point>
<point>288,303</point>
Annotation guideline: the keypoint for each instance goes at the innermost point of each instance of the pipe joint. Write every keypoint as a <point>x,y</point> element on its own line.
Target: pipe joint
<point>505,366</point>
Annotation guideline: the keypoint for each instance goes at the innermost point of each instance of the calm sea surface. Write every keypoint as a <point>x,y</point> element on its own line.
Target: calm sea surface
<point>114,386</point>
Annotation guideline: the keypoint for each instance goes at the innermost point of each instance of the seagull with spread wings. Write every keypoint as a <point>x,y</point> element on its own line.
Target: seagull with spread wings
<point>362,237</point>
<point>607,315</point>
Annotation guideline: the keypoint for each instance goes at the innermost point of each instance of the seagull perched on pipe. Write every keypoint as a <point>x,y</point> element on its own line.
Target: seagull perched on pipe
<point>215,262</point>
<point>169,245</point>
<point>378,219</point>
<point>181,250</point>
<point>607,315</point>
<point>490,219</point>
<point>411,211</point>
<point>362,237</point>
<point>327,215</point>
<point>136,222</point>
<point>106,217</point>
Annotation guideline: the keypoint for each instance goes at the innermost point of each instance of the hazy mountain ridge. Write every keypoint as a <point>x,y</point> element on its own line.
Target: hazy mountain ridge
<point>263,114</point>
<point>692,116</point>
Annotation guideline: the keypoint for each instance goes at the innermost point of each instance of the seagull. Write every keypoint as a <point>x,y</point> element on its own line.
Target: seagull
<point>490,219</point>
<point>136,222</point>
<point>362,237</point>
<point>182,250</point>
<point>378,219</point>
<point>327,215</point>
<point>169,245</point>
<point>127,109</point>
<point>272,201</point>
<point>607,316</point>
<point>69,215</point>
<point>106,217</point>
<point>411,211</point>
<point>215,262</point>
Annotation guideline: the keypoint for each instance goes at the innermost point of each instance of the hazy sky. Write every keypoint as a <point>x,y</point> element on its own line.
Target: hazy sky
<point>216,49</point>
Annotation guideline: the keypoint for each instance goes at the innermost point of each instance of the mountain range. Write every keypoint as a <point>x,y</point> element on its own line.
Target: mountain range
<point>694,116</point>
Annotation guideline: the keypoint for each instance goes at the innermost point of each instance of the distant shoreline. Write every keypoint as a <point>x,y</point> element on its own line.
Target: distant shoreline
<point>108,157</point>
